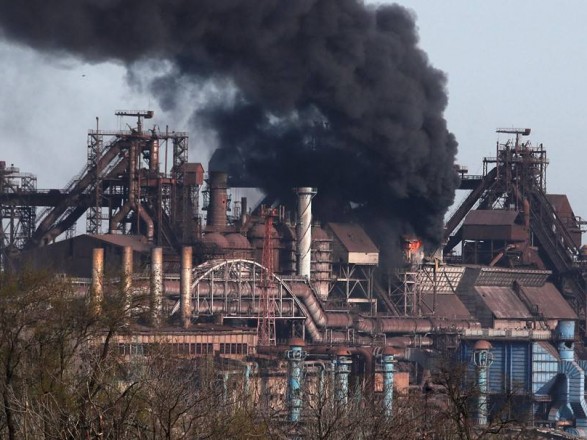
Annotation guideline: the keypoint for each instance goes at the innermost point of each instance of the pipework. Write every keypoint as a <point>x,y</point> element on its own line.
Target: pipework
<point>295,356</point>
<point>387,362</point>
<point>127,270</point>
<point>156,297</point>
<point>185,281</point>
<point>482,359</point>
<point>304,230</point>
<point>97,289</point>
<point>342,370</point>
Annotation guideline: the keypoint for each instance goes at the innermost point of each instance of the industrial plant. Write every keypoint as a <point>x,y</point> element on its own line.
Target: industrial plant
<point>277,291</point>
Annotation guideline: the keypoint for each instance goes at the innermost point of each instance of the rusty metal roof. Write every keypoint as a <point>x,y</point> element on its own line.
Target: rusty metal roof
<point>353,237</point>
<point>490,217</point>
<point>448,306</point>
<point>549,302</point>
<point>503,302</point>
<point>501,276</point>
<point>443,280</point>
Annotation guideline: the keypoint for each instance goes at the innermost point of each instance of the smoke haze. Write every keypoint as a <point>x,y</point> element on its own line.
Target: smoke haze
<point>325,93</point>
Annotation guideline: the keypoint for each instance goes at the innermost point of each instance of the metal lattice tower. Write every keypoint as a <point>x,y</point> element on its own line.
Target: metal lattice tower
<point>17,217</point>
<point>94,216</point>
<point>520,171</point>
<point>515,180</point>
<point>266,322</point>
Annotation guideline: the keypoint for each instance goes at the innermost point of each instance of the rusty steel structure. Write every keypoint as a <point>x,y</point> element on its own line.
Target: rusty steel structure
<point>512,191</point>
<point>121,189</point>
<point>320,280</point>
<point>266,323</point>
<point>241,285</point>
<point>511,271</point>
<point>17,214</point>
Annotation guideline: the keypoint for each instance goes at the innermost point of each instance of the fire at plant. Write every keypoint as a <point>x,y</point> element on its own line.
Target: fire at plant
<point>503,293</point>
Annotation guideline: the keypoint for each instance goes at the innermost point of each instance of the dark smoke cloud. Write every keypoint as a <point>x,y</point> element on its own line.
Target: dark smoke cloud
<point>330,93</point>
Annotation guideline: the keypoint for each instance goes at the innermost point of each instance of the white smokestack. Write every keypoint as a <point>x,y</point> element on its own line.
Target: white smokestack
<point>304,229</point>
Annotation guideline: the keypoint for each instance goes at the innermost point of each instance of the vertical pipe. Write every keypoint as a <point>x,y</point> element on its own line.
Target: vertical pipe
<point>225,376</point>
<point>247,381</point>
<point>148,221</point>
<point>156,296</point>
<point>342,372</point>
<point>127,270</point>
<point>304,229</point>
<point>321,383</point>
<point>244,208</point>
<point>132,170</point>
<point>154,156</point>
<point>295,356</point>
<point>482,403</point>
<point>332,387</point>
<point>97,290</point>
<point>185,280</point>
<point>387,361</point>
<point>218,204</point>
<point>482,359</point>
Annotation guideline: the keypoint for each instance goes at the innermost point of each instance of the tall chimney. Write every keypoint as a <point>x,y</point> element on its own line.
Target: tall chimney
<point>244,209</point>
<point>304,229</point>
<point>185,280</point>
<point>156,297</point>
<point>216,219</point>
<point>97,290</point>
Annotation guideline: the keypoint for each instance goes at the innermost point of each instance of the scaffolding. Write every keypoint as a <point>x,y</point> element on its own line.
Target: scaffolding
<point>17,215</point>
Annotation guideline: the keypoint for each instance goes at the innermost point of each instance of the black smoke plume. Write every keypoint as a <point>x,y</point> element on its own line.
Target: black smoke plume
<point>329,93</point>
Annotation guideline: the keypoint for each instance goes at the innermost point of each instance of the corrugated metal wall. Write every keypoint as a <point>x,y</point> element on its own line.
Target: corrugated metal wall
<point>511,369</point>
<point>544,368</point>
<point>528,369</point>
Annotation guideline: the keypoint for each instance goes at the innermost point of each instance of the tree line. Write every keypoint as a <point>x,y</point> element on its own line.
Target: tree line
<point>62,377</point>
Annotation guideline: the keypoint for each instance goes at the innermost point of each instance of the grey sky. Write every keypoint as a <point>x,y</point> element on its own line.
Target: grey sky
<point>509,64</point>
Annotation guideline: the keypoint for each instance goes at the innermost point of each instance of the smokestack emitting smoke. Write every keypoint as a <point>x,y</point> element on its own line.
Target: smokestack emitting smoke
<point>332,94</point>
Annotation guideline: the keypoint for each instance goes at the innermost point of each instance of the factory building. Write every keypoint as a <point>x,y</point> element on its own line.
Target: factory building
<point>505,295</point>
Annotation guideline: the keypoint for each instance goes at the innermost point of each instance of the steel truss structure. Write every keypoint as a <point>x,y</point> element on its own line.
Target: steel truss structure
<point>17,216</point>
<point>515,180</point>
<point>233,288</point>
<point>354,283</point>
<point>120,187</point>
